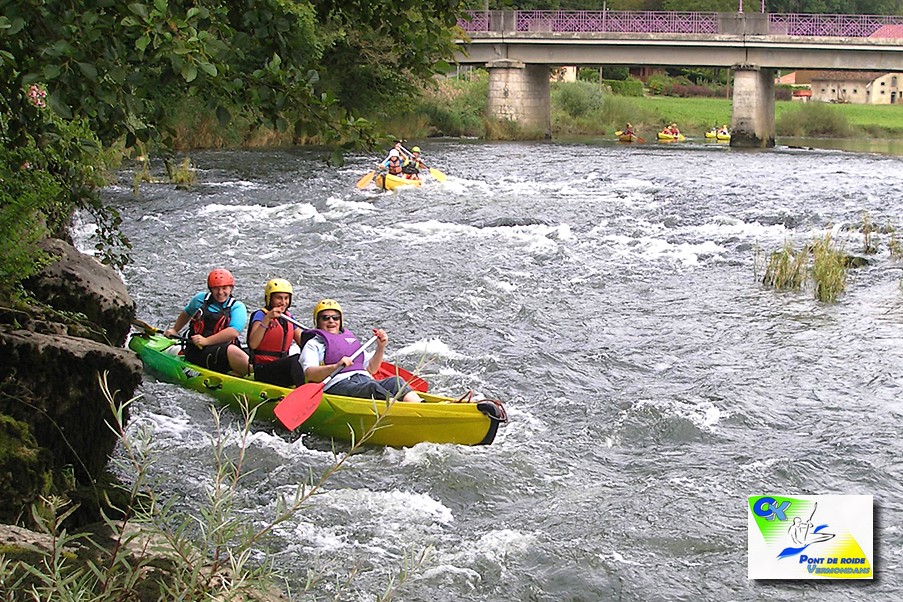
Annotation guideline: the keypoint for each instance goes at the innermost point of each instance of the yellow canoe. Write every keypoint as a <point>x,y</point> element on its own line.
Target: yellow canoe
<point>390,182</point>
<point>437,420</point>
<point>671,137</point>
<point>717,136</point>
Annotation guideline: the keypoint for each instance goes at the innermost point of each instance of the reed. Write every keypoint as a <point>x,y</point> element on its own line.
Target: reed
<point>786,269</point>
<point>894,246</point>
<point>154,547</point>
<point>870,242</point>
<point>829,269</point>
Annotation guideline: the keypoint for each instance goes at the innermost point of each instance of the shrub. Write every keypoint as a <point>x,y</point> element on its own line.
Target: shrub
<point>627,87</point>
<point>813,119</point>
<point>577,99</point>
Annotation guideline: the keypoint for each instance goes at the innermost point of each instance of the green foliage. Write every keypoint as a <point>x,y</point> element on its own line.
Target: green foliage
<point>786,269</point>
<point>55,167</point>
<point>588,74</point>
<point>615,72</point>
<point>829,269</point>
<point>789,269</point>
<point>813,119</point>
<point>627,87</point>
<point>457,105</point>
<point>159,548</point>
<point>577,99</point>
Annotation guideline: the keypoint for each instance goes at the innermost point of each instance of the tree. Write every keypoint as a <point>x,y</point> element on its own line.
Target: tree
<point>110,70</point>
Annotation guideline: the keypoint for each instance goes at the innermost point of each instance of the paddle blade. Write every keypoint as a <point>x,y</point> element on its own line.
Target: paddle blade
<point>298,405</point>
<point>618,133</point>
<point>437,174</point>
<point>387,370</point>
<point>365,181</point>
<point>641,140</point>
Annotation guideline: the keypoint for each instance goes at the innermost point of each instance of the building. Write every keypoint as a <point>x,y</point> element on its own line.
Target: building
<point>857,87</point>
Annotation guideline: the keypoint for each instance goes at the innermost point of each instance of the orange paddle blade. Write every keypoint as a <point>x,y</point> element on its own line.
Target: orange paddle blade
<point>365,181</point>
<point>387,370</point>
<point>298,405</point>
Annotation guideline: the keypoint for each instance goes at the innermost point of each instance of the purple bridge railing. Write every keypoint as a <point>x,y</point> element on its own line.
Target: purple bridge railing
<point>588,21</point>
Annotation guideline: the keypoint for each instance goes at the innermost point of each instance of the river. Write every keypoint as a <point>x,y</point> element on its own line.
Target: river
<point>609,295</point>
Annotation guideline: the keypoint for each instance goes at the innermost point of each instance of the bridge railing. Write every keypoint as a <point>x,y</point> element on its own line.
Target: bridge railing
<point>588,21</point>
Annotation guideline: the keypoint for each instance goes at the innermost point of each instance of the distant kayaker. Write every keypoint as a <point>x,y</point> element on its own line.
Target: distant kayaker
<point>628,130</point>
<point>270,338</point>
<point>393,163</point>
<point>724,131</point>
<point>216,319</point>
<point>332,345</point>
<point>413,164</point>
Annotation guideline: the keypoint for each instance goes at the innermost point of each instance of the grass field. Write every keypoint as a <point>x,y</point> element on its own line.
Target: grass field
<point>696,115</point>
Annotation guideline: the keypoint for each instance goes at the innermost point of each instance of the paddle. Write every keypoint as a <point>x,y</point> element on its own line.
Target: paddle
<point>385,368</point>
<point>365,181</point>
<point>441,177</point>
<point>297,406</point>
<point>618,133</point>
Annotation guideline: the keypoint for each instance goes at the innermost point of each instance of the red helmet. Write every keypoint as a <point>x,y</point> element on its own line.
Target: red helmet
<point>220,277</point>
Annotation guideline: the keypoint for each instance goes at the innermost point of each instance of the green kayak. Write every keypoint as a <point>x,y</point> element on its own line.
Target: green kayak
<point>437,420</point>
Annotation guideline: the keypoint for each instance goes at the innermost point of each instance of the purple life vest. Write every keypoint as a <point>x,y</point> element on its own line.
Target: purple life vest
<point>340,345</point>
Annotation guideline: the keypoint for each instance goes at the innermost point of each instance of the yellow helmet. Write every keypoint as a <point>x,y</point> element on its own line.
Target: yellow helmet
<point>277,285</point>
<point>329,304</point>
<point>415,149</point>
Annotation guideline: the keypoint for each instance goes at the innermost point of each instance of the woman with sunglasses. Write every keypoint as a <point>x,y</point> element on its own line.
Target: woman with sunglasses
<point>332,346</point>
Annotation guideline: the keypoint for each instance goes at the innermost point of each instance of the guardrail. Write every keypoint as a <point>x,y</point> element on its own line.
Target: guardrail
<point>651,22</point>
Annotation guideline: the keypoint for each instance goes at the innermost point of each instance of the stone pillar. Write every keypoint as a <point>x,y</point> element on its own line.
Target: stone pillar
<point>752,123</point>
<point>520,93</point>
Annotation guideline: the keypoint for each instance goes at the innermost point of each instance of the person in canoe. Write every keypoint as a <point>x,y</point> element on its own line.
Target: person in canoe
<point>216,318</point>
<point>628,130</point>
<point>724,131</point>
<point>270,338</point>
<point>393,163</point>
<point>332,345</point>
<point>413,164</point>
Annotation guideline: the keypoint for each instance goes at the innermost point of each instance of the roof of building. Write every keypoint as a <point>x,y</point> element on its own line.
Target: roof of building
<point>888,31</point>
<point>802,92</point>
<point>847,76</point>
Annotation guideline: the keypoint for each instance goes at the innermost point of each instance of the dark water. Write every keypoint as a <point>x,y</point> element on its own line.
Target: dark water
<point>608,294</point>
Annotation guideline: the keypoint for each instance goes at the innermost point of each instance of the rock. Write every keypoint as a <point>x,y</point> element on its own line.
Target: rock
<point>50,382</point>
<point>79,283</point>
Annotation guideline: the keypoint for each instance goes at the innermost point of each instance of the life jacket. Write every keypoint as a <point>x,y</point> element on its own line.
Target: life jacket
<point>395,165</point>
<point>207,322</point>
<point>410,166</point>
<point>338,346</point>
<point>276,341</point>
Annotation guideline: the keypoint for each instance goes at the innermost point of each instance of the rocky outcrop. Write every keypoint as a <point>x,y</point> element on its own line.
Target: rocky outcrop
<point>56,437</point>
<point>78,283</point>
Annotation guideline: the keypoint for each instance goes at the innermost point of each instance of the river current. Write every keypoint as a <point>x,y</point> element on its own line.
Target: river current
<point>610,296</point>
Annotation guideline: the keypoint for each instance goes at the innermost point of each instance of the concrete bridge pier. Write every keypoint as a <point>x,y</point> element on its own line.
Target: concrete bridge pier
<point>519,92</point>
<point>752,121</point>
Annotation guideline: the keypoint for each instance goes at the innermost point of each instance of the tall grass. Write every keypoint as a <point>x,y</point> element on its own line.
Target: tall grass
<point>822,263</point>
<point>813,119</point>
<point>152,548</point>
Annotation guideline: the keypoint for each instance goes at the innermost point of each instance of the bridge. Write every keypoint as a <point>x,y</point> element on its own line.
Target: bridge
<point>519,48</point>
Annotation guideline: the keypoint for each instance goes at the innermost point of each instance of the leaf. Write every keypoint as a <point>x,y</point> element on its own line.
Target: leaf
<point>139,9</point>
<point>142,42</point>
<point>162,6</point>
<point>223,115</point>
<point>189,72</point>
<point>58,106</point>
<point>209,69</point>
<point>51,72</point>
<point>89,71</point>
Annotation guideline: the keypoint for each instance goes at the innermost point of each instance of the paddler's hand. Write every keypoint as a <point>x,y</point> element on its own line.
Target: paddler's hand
<point>345,361</point>
<point>170,333</point>
<point>381,337</point>
<point>272,314</point>
<point>199,341</point>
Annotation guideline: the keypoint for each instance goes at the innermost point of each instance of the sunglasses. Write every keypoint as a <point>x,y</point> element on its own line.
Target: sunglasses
<point>332,317</point>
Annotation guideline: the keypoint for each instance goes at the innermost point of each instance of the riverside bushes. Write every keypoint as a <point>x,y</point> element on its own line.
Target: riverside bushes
<point>813,119</point>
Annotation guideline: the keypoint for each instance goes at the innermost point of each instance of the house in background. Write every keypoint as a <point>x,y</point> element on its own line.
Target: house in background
<point>857,87</point>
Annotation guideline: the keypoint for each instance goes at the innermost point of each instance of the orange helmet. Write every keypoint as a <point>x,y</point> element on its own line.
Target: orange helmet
<point>220,277</point>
